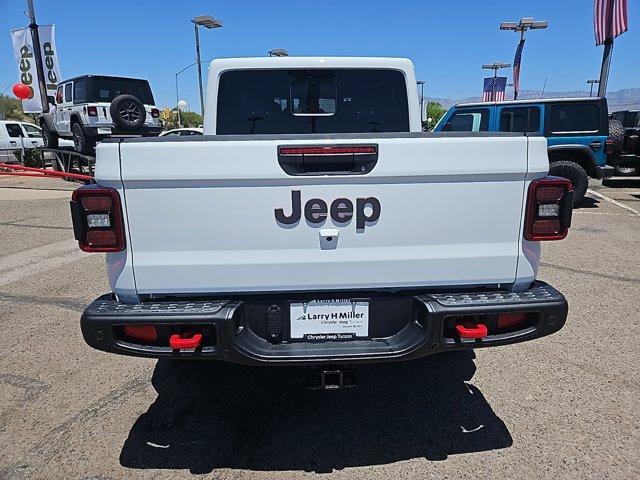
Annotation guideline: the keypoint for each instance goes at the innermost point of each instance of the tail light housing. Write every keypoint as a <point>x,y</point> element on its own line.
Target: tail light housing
<point>97,219</point>
<point>155,113</point>
<point>141,332</point>
<point>92,111</point>
<point>608,146</point>
<point>549,209</point>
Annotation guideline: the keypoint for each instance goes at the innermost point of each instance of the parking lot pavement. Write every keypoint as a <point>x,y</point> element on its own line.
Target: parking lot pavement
<point>564,406</point>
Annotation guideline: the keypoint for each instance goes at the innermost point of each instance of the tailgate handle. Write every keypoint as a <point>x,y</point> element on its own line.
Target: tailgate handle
<point>358,159</point>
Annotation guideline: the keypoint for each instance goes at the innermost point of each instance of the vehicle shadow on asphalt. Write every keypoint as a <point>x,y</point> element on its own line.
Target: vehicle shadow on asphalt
<point>622,182</point>
<point>211,415</point>
<point>587,202</point>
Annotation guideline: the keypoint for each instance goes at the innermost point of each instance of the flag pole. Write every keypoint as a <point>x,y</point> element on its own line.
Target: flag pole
<point>493,85</point>
<point>517,90</point>
<point>606,65</point>
<point>37,56</point>
<point>606,55</point>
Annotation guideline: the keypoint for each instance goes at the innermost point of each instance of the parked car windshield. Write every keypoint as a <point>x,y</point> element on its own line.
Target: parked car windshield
<point>105,89</point>
<point>312,101</point>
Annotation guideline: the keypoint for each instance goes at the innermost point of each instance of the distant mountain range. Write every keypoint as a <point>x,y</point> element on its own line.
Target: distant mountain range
<point>628,98</point>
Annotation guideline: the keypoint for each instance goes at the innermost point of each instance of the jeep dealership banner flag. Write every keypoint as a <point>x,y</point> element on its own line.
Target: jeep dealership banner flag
<point>23,50</point>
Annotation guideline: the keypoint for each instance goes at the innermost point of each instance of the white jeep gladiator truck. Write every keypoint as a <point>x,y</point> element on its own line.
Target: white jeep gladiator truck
<point>315,224</point>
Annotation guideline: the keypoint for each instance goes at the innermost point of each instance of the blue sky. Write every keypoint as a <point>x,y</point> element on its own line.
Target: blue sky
<point>447,41</point>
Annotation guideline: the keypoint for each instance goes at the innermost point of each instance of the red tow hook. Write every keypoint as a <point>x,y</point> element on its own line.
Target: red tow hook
<point>472,330</point>
<point>185,340</point>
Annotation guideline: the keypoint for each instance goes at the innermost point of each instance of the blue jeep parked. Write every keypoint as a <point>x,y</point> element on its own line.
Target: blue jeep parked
<point>577,131</point>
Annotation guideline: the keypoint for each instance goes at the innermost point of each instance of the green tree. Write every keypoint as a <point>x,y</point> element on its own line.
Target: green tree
<point>189,119</point>
<point>435,111</point>
<point>11,109</point>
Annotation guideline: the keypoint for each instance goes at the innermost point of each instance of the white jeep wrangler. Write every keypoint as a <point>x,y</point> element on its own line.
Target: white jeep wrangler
<point>91,107</point>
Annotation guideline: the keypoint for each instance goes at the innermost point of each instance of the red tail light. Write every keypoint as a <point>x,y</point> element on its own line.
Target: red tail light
<point>97,219</point>
<point>549,209</point>
<point>141,332</point>
<point>92,111</point>
<point>608,146</point>
<point>155,113</point>
<point>511,320</point>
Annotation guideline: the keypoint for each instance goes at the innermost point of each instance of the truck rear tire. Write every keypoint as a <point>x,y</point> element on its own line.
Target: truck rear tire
<point>575,174</point>
<point>49,138</point>
<point>83,144</point>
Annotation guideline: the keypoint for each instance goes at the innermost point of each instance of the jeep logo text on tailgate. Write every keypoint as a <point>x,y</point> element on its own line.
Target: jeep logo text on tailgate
<point>341,210</point>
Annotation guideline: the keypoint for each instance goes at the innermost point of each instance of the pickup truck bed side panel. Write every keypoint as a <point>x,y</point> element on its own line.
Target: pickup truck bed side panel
<point>201,215</point>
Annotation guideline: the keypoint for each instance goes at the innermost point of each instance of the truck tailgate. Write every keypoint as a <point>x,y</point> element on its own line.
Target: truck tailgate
<point>201,215</point>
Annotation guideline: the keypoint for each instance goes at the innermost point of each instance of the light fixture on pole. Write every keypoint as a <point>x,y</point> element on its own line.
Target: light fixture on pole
<point>278,52</point>
<point>526,23</point>
<point>206,21</point>
<point>591,83</point>
<point>182,106</point>
<point>495,66</point>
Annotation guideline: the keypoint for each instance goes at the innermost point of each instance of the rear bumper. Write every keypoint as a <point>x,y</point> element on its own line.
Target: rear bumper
<point>403,327</point>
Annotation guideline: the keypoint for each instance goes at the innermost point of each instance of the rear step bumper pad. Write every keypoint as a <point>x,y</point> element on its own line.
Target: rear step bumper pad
<point>429,330</point>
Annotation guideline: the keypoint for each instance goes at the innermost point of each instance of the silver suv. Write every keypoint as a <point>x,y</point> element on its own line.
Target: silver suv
<point>90,108</point>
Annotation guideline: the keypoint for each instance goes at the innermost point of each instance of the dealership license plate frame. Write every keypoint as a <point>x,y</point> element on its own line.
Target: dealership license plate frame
<point>361,302</point>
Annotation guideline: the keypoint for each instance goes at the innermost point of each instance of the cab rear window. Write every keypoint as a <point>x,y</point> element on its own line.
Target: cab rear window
<point>312,101</point>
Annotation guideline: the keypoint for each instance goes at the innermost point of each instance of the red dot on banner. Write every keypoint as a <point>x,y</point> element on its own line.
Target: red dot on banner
<point>21,91</point>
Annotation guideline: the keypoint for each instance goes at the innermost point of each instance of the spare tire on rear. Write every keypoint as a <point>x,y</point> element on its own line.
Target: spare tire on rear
<point>616,137</point>
<point>127,112</point>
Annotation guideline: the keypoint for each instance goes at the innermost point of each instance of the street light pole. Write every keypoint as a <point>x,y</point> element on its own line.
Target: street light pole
<point>526,23</point>
<point>37,56</point>
<point>199,68</point>
<point>177,101</point>
<point>591,83</point>
<point>206,21</point>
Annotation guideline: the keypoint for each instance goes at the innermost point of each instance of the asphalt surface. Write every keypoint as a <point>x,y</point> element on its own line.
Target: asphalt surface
<point>564,406</point>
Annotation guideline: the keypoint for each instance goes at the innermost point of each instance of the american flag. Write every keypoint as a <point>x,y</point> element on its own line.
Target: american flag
<point>491,85</point>
<point>516,66</point>
<point>609,19</point>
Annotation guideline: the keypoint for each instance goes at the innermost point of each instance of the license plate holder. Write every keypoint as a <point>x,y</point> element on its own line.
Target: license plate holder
<point>329,320</point>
